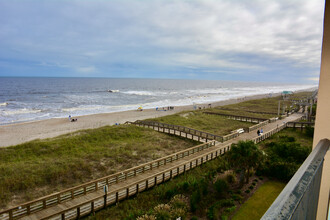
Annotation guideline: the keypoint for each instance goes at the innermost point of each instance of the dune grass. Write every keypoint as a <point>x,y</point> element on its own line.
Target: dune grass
<point>40,167</point>
<point>214,124</point>
<point>257,205</point>
<point>269,105</point>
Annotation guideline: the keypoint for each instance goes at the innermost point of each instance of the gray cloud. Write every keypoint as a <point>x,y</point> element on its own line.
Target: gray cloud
<point>102,36</point>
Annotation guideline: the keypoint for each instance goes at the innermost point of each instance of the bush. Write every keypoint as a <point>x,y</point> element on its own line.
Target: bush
<point>179,202</point>
<point>254,183</point>
<point>309,131</point>
<point>146,217</point>
<point>194,218</point>
<point>194,200</point>
<point>251,187</point>
<point>163,211</point>
<point>221,186</point>
<point>247,191</point>
<point>237,197</point>
<point>231,178</point>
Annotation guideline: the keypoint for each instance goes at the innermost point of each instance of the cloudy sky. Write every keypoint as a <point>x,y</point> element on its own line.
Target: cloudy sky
<point>246,40</point>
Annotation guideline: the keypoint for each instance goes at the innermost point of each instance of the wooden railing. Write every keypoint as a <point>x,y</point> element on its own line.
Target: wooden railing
<point>113,197</point>
<point>269,133</point>
<point>230,136</point>
<point>297,124</point>
<point>71,193</point>
<point>254,127</point>
<point>239,117</point>
<point>178,130</point>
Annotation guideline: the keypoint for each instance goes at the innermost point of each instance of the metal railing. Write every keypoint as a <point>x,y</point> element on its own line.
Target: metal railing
<point>299,199</point>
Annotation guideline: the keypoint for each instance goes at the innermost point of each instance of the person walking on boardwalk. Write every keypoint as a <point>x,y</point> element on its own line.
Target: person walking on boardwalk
<point>258,132</point>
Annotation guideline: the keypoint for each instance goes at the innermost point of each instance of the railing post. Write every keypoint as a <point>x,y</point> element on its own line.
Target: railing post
<point>92,207</point>
<point>10,214</point>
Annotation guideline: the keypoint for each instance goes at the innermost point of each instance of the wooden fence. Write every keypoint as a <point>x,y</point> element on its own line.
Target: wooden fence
<point>256,112</point>
<point>179,130</point>
<point>254,127</point>
<point>93,186</point>
<point>301,125</point>
<point>239,117</point>
<point>269,133</point>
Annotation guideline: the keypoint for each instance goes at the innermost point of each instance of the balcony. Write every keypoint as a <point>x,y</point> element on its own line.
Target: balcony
<point>299,199</point>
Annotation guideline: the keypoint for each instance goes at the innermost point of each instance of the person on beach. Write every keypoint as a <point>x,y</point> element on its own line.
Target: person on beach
<point>69,117</point>
<point>258,132</point>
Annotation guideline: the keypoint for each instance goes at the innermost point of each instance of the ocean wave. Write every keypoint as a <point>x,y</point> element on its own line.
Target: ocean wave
<point>20,111</point>
<point>4,104</point>
<point>150,93</point>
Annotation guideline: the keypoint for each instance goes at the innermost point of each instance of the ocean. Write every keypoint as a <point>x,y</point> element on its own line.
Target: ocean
<point>30,99</point>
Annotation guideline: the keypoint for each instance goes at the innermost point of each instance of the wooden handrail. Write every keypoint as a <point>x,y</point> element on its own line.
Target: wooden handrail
<point>180,128</point>
<point>138,182</point>
<point>57,196</point>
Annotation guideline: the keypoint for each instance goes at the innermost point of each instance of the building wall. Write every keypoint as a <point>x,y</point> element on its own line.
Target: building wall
<point>322,122</point>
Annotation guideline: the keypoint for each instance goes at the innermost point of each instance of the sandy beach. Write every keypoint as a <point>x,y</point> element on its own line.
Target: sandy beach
<point>14,134</point>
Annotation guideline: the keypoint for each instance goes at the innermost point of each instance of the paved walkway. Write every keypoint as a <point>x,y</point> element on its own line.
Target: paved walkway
<point>149,175</point>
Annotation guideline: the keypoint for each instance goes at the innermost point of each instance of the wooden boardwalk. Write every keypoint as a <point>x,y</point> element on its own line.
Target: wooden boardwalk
<point>90,197</point>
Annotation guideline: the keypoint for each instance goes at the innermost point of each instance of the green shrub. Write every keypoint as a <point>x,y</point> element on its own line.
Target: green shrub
<point>194,200</point>
<point>254,183</point>
<point>162,211</point>
<point>231,178</point>
<point>221,186</point>
<point>247,191</point>
<point>309,131</point>
<point>237,197</point>
<point>251,187</point>
<point>193,218</point>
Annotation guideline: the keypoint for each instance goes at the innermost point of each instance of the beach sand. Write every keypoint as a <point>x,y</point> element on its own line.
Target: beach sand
<point>14,134</point>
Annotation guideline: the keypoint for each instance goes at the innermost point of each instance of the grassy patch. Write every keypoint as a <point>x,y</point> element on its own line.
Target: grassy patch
<point>214,124</point>
<point>300,137</point>
<point>40,167</point>
<point>260,105</point>
<point>257,205</point>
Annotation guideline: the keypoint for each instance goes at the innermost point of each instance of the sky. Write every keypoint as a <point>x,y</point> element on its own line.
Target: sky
<point>244,40</point>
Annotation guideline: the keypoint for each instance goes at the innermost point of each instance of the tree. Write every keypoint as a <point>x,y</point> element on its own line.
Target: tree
<point>245,155</point>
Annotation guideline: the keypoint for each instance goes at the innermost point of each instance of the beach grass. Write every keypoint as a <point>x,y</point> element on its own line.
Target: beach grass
<point>257,205</point>
<point>213,124</point>
<point>261,107</point>
<point>40,167</point>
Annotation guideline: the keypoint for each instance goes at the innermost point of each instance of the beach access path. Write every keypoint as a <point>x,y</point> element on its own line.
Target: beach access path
<point>69,209</point>
<point>17,133</point>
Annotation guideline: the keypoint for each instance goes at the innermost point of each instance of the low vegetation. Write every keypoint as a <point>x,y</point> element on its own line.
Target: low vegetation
<point>261,108</point>
<point>40,167</point>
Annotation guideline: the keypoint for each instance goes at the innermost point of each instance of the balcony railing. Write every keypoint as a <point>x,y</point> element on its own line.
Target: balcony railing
<point>299,199</point>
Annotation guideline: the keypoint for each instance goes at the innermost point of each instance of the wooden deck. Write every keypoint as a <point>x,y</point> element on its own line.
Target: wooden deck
<point>90,197</point>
